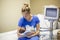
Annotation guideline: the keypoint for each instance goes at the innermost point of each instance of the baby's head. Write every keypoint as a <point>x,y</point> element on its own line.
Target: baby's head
<point>22,30</point>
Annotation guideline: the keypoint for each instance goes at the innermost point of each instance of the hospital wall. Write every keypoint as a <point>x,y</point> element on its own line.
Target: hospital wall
<point>0,12</point>
<point>10,13</point>
<point>37,6</point>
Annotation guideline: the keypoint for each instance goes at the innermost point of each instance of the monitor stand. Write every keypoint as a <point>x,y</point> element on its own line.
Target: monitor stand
<point>51,28</point>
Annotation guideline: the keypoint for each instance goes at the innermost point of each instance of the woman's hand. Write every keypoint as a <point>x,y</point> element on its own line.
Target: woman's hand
<point>20,35</point>
<point>19,29</point>
<point>29,34</point>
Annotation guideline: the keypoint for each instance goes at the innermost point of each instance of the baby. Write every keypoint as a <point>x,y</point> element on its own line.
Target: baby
<point>27,31</point>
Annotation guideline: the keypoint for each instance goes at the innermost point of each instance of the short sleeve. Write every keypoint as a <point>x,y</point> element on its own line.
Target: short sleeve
<point>37,20</point>
<point>20,22</point>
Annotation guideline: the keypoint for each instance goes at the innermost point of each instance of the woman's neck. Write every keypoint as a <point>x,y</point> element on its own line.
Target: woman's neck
<point>30,17</point>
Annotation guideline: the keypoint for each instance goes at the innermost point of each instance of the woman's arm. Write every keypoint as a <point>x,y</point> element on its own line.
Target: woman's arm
<point>37,31</point>
<point>19,31</point>
<point>18,34</point>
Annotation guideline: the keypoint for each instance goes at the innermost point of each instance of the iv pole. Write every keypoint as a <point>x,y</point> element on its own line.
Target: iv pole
<point>51,29</point>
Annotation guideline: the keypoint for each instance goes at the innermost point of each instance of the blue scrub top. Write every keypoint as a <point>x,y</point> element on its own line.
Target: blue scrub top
<point>23,22</point>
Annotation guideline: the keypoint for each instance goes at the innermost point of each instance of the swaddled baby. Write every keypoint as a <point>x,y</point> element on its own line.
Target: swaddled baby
<point>28,31</point>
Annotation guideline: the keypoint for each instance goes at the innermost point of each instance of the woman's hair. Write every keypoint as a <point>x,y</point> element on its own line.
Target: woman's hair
<point>26,8</point>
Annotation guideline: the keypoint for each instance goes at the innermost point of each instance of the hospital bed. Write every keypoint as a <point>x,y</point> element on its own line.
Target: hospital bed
<point>12,35</point>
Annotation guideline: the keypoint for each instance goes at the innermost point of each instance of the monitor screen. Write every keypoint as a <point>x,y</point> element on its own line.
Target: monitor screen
<point>51,12</point>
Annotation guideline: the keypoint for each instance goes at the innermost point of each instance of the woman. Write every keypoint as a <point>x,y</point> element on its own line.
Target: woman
<point>31,21</point>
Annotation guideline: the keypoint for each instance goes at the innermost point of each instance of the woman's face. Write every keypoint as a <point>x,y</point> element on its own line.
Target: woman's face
<point>26,14</point>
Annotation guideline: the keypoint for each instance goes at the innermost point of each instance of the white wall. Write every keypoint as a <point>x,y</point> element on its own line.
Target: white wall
<point>10,13</point>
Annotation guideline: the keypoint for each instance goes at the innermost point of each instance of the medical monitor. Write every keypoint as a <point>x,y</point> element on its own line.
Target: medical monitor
<point>51,12</point>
